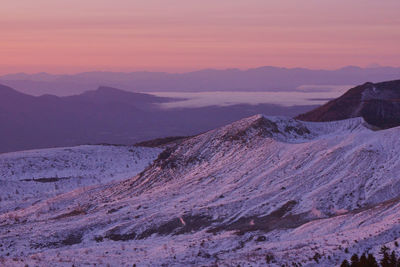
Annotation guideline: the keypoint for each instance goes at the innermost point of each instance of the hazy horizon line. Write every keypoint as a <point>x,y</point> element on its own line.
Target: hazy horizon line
<point>371,66</point>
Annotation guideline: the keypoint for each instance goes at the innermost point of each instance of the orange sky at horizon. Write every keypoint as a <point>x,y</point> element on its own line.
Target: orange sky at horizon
<point>182,35</point>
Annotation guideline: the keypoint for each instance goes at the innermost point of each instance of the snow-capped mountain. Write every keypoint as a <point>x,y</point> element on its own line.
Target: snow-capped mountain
<point>261,191</point>
<point>377,103</point>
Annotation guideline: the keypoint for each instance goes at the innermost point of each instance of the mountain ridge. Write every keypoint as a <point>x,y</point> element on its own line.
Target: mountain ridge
<point>266,78</point>
<point>377,103</point>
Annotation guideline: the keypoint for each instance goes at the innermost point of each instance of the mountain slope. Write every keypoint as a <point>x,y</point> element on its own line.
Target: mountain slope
<point>28,177</point>
<point>104,115</point>
<point>261,186</point>
<point>378,104</point>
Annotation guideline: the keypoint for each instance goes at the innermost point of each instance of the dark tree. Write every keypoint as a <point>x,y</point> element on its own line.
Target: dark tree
<point>389,259</point>
<point>372,261</point>
<point>269,258</point>
<point>363,260</point>
<point>354,260</point>
<point>345,263</point>
<point>317,257</point>
<point>393,259</point>
<point>385,261</point>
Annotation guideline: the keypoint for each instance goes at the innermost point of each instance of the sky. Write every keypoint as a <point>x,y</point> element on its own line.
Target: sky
<point>69,36</point>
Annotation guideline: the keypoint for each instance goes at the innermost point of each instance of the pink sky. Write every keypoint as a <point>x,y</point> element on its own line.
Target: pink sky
<point>66,36</point>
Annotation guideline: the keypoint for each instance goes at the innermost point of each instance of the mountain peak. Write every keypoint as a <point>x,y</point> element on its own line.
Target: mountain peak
<point>106,94</point>
<point>377,103</point>
<point>109,89</point>
<point>351,68</point>
<point>281,129</point>
<point>277,127</point>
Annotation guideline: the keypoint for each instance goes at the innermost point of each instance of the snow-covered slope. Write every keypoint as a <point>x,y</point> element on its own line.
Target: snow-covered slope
<point>302,192</point>
<point>30,176</point>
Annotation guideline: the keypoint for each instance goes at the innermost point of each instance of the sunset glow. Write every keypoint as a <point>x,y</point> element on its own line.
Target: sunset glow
<point>176,35</point>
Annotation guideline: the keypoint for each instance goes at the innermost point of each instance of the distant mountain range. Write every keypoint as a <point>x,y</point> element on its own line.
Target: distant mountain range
<point>377,103</point>
<point>108,115</point>
<point>257,79</point>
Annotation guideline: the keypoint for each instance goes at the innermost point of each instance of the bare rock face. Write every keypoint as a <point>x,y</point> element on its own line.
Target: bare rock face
<point>378,104</point>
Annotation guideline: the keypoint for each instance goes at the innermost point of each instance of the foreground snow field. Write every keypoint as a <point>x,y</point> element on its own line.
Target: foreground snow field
<point>31,176</point>
<point>261,191</point>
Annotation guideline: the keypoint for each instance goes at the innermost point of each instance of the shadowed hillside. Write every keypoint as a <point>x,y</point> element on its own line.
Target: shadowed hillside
<point>378,104</point>
<point>108,115</point>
